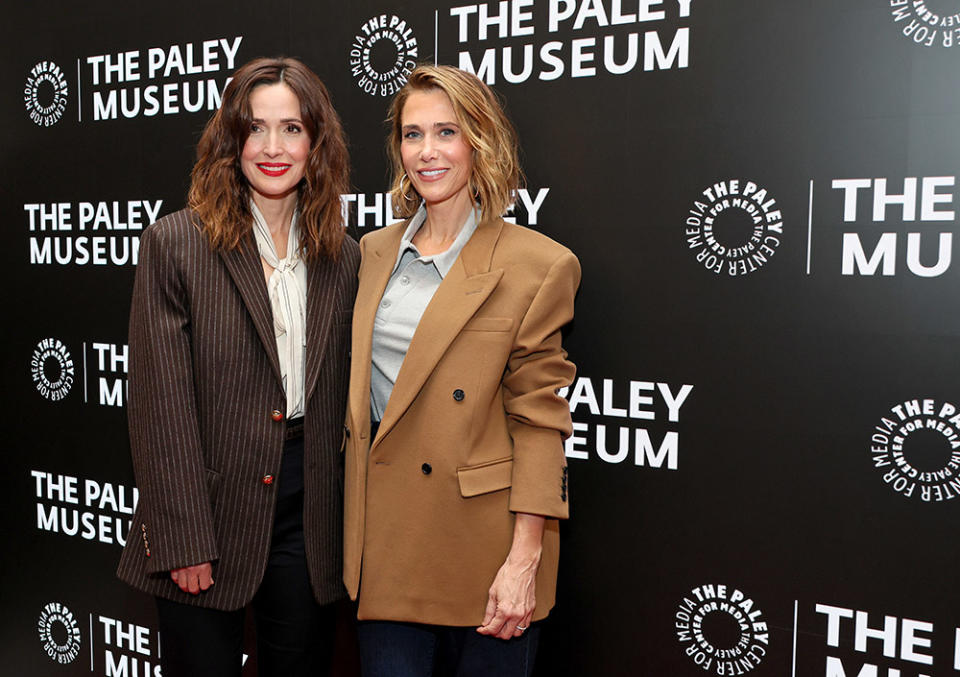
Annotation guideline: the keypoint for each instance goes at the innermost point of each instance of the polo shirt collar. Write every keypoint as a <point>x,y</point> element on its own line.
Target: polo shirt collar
<point>443,261</point>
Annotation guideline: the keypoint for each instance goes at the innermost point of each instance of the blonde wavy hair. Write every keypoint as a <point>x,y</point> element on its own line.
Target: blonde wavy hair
<point>496,175</point>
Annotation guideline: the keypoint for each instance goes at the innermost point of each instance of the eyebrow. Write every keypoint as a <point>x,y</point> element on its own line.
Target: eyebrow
<point>298,120</point>
<point>435,124</point>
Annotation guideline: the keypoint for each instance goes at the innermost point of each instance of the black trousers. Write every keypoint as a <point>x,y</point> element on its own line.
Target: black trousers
<point>294,633</point>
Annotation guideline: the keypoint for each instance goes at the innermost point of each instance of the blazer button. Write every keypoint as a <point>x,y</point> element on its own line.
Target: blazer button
<point>276,415</point>
<point>267,479</point>
<point>346,431</point>
<point>458,395</point>
<point>426,469</point>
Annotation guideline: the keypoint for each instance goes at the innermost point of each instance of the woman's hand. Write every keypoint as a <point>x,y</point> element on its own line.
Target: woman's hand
<point>513,594</point>
<point>193,578</point>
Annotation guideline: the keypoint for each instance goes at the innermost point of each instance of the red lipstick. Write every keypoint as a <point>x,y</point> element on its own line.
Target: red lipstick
<point>273,168</point>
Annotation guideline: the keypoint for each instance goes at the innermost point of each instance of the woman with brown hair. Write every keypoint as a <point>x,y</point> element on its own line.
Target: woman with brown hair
<point>239,356</point>
<point>455,470</point>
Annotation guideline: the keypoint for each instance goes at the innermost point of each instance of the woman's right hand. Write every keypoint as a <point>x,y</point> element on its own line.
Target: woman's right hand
<point>193,578</point>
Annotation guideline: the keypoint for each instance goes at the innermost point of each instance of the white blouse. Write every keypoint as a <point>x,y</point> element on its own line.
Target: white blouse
<point>287,289</point>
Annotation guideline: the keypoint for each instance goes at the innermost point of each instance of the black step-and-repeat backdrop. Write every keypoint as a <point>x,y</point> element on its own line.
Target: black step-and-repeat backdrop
<point>765,468</point>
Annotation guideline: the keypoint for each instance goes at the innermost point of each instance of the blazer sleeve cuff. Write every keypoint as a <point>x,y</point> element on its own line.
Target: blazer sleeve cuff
<point>539,483</point>
<point>163,560</point>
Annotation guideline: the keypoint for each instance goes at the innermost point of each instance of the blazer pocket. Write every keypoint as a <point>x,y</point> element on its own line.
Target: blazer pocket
<point>213,484</point>
<point>489,324</point>
<point>485,477</point>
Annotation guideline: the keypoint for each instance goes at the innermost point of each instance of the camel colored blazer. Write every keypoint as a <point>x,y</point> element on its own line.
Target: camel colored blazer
<point>472,433</point>
<point>204,383</point>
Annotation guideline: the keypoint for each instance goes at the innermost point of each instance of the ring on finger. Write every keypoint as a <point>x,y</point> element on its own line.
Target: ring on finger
<point>521,628</point>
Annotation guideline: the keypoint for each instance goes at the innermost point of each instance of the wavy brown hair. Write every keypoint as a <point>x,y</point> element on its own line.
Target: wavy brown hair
<point>496,173</point>
<point>219,192</point>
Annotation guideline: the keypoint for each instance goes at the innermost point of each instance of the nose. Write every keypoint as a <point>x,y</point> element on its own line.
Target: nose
<point>273,146</point>
<point>428,149</point>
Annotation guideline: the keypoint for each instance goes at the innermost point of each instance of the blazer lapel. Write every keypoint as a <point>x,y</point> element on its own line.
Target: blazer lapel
<point>321,296</point>
<point>464,289</point>
<point>375,270</point>
<point>244,267</point>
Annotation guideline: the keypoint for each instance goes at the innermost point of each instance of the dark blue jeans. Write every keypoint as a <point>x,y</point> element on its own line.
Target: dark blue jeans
<point>390,649</point>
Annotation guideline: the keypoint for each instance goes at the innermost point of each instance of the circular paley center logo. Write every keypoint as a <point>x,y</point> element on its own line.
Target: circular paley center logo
<point>45,93</point>
<point>721,630</point>
<point>916,448</point>
<point>734,228</point>
<point>52,369</point>
<point>931,24</point>
<point>382,54</point>
<point>59,633</point>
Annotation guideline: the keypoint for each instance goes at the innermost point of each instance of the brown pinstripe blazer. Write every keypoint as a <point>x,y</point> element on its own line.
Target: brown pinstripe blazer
<point>204,379</point>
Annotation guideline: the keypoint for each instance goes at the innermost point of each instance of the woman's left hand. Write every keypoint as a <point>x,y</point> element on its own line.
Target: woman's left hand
<point>513,595</point>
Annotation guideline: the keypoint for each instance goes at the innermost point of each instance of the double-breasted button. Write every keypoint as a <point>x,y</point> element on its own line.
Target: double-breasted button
<point>267,479</point>
<point>346,431</point>
<point>426,469</point>
<point>276,415</point>
<point>458,395</point>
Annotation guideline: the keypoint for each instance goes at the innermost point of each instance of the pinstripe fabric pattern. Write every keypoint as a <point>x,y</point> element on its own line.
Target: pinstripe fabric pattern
<point>204,379</point>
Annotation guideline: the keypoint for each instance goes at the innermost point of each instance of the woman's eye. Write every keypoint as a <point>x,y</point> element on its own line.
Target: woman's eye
<point>411,135</point>
<point>293,129</point>
<point>447,131</point>
<point>254,127</point>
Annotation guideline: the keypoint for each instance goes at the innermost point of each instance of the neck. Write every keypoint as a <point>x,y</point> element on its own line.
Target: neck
<point>277,212</point>
<point>445,219</point>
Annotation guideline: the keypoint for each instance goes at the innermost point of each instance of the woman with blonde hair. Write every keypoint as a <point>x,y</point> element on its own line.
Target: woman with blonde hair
<point>239,354</point>
<point>455,471</point>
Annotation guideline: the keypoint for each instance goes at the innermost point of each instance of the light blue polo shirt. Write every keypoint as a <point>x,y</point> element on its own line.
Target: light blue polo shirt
<point>412,284</point>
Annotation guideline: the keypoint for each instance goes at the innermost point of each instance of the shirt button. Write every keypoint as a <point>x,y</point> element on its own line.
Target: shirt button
<point>426,469</point>
<point>276,415</point>
<point>267,479</point>
<point>405,280</point>
<point>385,304</point>
<point>458,395</point>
